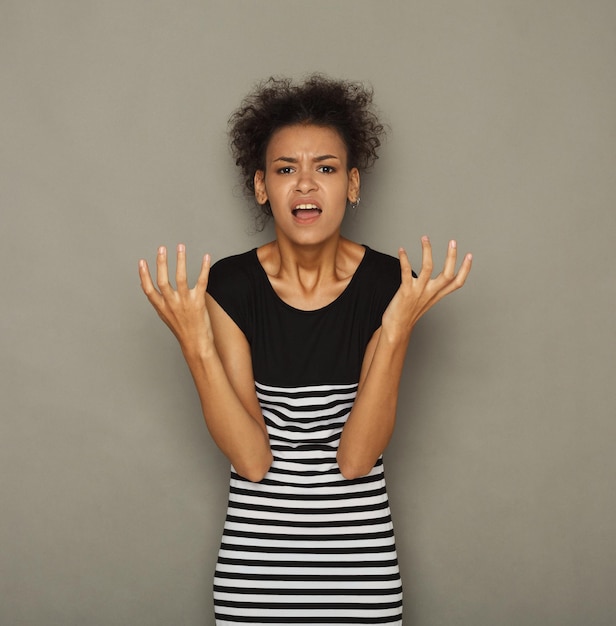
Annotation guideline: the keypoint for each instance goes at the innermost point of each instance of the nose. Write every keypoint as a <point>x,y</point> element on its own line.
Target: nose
<point>306,181</point>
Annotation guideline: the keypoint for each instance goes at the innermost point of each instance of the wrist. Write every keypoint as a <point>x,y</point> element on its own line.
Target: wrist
<point>396,335</point>
<point>199,349</point>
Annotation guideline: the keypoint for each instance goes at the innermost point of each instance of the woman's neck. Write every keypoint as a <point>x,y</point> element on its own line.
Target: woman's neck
<point>310,277</point>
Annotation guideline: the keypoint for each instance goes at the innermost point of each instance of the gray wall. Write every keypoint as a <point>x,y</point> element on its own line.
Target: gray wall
<point>112,141</point>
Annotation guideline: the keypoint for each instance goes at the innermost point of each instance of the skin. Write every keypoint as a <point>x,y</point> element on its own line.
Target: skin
<point>309,264</point>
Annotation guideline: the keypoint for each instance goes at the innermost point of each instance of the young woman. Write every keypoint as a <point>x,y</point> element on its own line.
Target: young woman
<point>297,351</point>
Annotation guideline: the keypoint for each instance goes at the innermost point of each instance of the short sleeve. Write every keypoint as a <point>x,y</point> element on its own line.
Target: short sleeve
<point>382,280</point>
<point>231,283</point>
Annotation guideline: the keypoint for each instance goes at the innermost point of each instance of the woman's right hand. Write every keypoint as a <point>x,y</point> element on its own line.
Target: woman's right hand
<point>182,309</point>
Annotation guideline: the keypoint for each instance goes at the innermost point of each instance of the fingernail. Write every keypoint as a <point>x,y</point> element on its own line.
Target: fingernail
<point>453,243</point>
<point>181,247</point>
<point>161,250</point>
<point>425,239</point>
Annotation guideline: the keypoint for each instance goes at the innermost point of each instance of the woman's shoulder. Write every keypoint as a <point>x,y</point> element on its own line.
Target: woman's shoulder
<point>381,264</point>
<point>234,273</point>
<point>241,262</point>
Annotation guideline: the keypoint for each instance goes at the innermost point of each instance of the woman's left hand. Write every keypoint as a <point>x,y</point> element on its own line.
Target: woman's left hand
<point>417,295</point>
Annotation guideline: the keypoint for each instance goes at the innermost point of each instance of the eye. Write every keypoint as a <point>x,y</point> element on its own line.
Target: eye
<point>326,169</point>
<point>285,170</point>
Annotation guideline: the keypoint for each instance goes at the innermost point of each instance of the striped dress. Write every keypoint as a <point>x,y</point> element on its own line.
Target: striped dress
<point>305,545</point>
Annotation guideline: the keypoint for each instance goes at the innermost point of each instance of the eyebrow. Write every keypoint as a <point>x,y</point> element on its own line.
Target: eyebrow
<point>323,157</point>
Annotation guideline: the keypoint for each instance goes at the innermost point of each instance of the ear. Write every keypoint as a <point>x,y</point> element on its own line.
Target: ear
<point>260,191</point>
<point>353,187</point>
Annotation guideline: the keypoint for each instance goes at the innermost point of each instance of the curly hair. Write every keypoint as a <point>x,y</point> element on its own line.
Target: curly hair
<point>278,102</point>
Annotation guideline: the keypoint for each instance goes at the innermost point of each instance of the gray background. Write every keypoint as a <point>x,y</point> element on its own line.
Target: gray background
<point>112,141</point>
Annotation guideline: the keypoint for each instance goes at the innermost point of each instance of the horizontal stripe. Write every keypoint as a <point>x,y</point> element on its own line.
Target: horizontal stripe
<point>324,410</point>
<point>309,482</point>
<point>302,396</point>
<point>304,421</point>
<point>226,620</point>
<point>308,512</point>
<point>322,596</point>
<point>327,445</point>
<point>314,543</point>
<point>314,551</point>
<point>375,483</point>
<point>307,519</point>
<point>394,618</point>
<point>316,494</point>
<point>288,467</point>
<point>229,558</point>
<point>305,459</point>
<point>316,586</point>
<point>323,546</point>
<point>322,525</point>
<point>263,575</point>
<point>305,507</point>
<point>322,433</point>
<point>313,432</point>
<point>247,527</point>
<point>321,604</point>
<point>278,476</point>
<point>307,391</point>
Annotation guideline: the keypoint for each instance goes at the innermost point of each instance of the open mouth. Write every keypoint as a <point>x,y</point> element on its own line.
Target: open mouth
<point>306,211</point>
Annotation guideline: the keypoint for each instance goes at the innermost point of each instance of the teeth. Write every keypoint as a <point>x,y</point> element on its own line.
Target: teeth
<point>303,207</point>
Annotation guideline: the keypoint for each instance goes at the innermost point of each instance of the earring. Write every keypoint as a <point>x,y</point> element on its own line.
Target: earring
<point>355,203</point>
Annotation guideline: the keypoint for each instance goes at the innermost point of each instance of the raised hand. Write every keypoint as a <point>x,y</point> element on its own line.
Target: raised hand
<point>182,309</point>
<point>417,295</point>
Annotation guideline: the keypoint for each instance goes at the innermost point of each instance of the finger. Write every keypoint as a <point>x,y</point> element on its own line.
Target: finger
<point>427,264</point>
<point>459,279</point>
<point>162,273</point>
<point>180,268</point>
<point>449,269</point>
<point>144,276</point>
<point>405,266</point>
<point>202,279</point>
<point>146,282</point>
<point>465,268</point>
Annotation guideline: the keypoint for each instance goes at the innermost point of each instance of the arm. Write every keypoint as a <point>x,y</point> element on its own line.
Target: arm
<point>233,417</point>
<point>371,421</point>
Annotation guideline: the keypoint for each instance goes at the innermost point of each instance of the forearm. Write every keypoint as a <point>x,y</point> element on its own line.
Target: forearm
<point>241,436</point>
<point>371,421</point>
<point>231,409</point>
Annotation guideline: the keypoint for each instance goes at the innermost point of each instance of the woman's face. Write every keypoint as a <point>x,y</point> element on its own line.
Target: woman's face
<point>307,183</point>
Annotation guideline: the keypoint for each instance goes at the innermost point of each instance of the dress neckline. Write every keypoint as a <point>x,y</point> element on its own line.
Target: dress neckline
<point>274,293</point>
